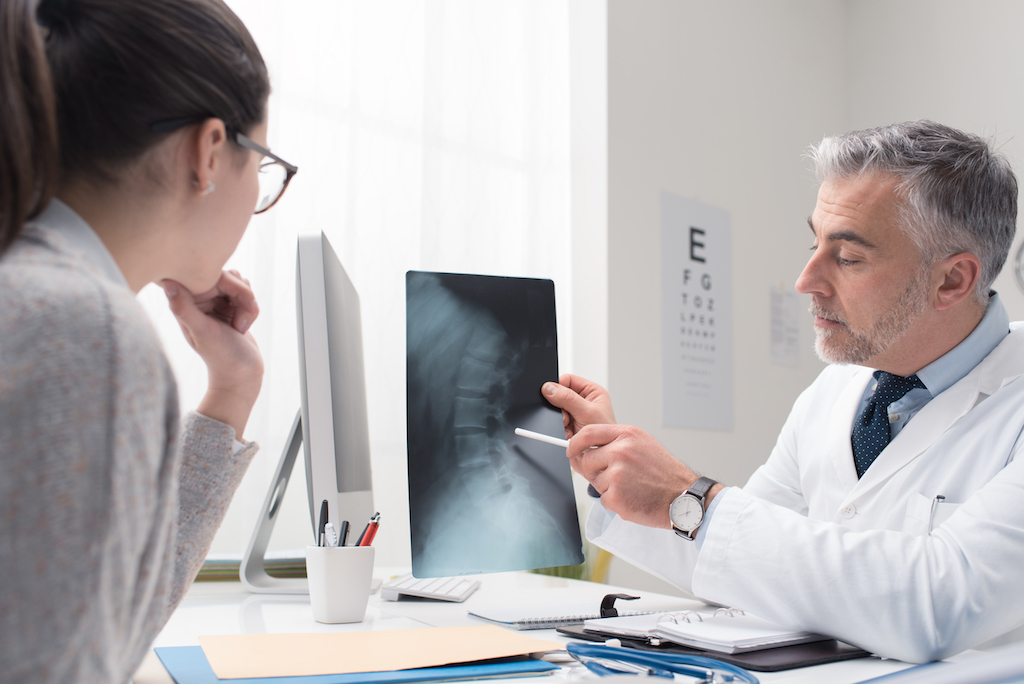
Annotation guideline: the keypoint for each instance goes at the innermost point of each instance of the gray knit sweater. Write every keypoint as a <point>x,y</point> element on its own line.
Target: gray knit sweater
<point>107,507</point>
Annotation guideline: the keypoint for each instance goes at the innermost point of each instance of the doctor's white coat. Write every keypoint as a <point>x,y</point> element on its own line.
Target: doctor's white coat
<point>807,544</point>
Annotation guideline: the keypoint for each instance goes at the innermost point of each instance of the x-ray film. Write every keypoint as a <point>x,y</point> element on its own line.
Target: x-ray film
<point>482,499</point>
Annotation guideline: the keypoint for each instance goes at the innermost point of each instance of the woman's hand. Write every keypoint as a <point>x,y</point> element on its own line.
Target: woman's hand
<point>582,402</point>
<point>216,323</point>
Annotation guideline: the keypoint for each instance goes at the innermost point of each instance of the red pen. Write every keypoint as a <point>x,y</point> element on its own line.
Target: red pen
<point>366,538</point>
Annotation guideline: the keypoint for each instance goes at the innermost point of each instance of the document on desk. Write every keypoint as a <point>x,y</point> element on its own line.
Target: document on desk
<point>481,498</point>
<point>188,665</point>
<point>729,631</point>
<point>288,655</point>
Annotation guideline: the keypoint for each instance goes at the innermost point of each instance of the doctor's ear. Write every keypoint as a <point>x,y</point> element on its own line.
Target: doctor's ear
<point>208,146</point>
<point>960,274</point>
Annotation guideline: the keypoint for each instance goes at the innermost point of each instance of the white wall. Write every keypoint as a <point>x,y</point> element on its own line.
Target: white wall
<point>717,102</point>
<point>958,62</point>
<point>588,126</point>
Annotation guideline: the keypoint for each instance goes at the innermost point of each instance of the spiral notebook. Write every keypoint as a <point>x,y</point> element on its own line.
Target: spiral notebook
<point>727,631</point>
<point>544,617</point>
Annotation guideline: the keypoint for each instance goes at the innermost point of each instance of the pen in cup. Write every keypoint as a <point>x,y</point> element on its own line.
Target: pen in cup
<point>343,533</point>
<point>323,523</point>
<point>547,439</point>
<point>330,536</point>
<point>371,531</point>
<point>366,538</point>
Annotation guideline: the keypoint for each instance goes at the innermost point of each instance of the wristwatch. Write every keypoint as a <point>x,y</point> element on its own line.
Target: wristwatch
<point>687,510</point>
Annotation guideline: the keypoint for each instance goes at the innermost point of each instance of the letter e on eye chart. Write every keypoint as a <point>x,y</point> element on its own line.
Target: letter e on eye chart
<point>696,330</point>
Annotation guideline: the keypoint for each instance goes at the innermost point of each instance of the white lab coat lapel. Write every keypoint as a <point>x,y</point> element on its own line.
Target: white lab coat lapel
<point>841,425</point>
<point>928,425</point>
<point>1004,363</point>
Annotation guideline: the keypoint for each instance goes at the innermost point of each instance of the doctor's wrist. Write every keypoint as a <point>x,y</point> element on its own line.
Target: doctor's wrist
<point>712,493</point>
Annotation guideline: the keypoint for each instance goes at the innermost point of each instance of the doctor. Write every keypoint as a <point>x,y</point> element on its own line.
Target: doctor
<point>891,512</point>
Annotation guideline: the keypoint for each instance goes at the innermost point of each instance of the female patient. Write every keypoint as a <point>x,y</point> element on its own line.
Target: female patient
<point>131,151</point>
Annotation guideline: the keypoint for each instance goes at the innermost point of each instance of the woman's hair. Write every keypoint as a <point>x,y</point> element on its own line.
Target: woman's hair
<point>83,81</point>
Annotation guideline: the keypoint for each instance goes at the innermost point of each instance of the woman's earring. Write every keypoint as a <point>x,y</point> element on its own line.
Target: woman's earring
<point>210,187</point>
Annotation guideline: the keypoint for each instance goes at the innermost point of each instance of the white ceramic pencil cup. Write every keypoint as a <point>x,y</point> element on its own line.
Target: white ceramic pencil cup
<point>339,582</point>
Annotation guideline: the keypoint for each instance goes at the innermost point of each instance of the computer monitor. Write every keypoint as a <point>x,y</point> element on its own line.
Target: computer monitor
<point>335,428</point>
<point>331,425</point>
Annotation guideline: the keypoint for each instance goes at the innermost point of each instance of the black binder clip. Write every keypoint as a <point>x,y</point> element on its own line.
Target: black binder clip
<point>608,604</point>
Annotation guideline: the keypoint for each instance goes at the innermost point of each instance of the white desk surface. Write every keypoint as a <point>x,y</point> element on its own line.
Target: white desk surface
<point>227,608</point>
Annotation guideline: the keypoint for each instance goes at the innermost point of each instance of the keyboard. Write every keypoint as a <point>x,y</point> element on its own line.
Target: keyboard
<point>455,589</point>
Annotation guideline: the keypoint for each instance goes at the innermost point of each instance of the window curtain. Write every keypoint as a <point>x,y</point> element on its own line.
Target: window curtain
<point>429,135</point>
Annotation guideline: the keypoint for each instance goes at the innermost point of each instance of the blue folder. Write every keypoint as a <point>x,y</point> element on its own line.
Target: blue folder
<point>188,665</point>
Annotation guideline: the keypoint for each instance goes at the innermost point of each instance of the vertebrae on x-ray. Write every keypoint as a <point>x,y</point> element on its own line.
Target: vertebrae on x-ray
<point>482,396</point>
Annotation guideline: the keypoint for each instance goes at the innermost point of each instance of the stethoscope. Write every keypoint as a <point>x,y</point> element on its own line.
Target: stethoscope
<point>614,660</point>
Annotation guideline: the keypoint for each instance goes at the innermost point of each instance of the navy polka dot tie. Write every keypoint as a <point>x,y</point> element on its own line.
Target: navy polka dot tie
<point>871,428</point>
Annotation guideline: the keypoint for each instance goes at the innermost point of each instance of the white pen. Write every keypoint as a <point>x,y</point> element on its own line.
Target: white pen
<point>530,434</point>
<point>330,535</point>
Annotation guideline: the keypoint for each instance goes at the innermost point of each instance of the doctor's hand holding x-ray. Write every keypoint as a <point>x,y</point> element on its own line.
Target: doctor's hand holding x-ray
<point>636,476</point>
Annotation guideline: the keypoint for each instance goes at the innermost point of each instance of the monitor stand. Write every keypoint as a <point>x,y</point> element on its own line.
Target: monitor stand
<point>252,572</point>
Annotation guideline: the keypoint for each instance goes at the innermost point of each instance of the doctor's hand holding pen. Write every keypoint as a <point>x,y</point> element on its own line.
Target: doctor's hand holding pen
<point>635,475</point>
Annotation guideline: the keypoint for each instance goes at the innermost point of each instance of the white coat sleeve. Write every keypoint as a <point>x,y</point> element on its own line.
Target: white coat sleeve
<point>668,557</point>
<point>915,598</point>
<point>673,560</point>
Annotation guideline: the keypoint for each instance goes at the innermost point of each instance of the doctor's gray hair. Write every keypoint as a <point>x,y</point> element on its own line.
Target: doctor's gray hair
<point>959,195</point>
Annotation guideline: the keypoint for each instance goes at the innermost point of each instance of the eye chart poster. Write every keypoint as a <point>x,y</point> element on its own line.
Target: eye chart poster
<point>696,273</point>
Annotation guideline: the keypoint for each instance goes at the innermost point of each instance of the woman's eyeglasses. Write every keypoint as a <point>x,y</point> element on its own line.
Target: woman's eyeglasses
<point>274,175</point>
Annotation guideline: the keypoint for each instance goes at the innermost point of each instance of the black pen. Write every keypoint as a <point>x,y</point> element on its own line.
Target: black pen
<point>343,533</point>
<point>323,522</point>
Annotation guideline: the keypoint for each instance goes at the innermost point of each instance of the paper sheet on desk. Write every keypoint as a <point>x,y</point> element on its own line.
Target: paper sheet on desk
<point>281,655</point>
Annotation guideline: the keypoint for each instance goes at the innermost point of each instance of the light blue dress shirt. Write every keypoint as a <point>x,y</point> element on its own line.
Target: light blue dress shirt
<point>938,376</point>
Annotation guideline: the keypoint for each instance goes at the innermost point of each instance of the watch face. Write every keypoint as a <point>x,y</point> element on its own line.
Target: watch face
<point>686,512</point>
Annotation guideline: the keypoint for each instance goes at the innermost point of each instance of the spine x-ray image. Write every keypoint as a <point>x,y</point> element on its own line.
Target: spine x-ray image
<point>482,499</point>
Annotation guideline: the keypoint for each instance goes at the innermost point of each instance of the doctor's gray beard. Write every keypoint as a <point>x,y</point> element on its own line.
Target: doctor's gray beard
<point>839,346</point>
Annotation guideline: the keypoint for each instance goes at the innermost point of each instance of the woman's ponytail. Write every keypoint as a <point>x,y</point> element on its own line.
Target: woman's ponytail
<point>29,161</point>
